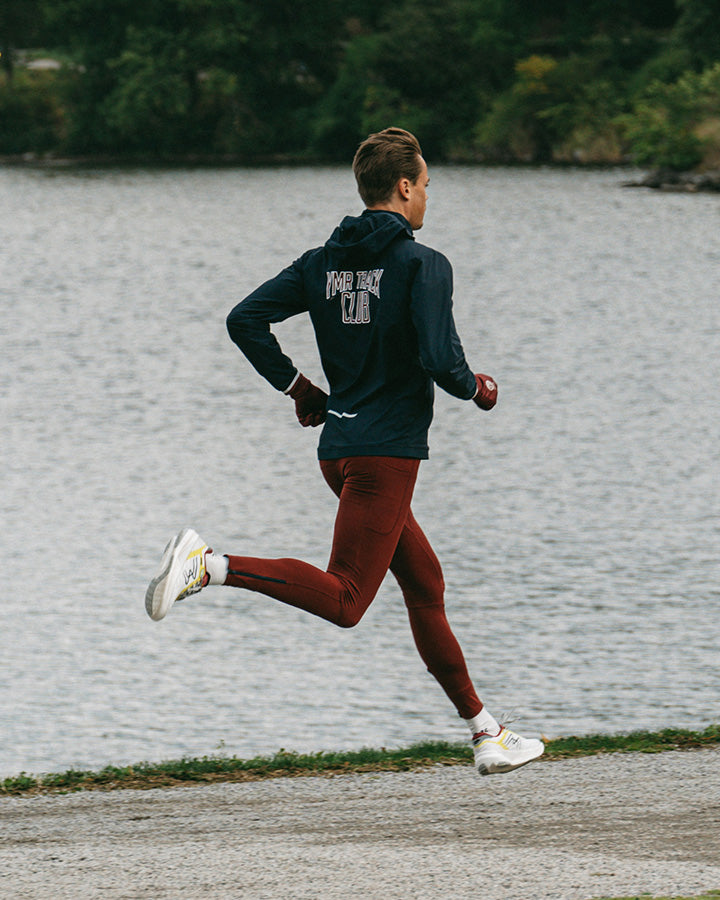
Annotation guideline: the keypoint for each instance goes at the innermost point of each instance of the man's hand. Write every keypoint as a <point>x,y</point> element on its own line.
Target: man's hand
<point>486,396</point>
<point>310,402</point>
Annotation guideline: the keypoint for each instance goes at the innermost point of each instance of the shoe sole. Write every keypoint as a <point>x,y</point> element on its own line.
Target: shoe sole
<point>157,604</point>
<point>499,766</point>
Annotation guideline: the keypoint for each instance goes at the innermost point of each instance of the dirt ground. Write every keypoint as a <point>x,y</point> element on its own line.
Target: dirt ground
<point>605,826</point>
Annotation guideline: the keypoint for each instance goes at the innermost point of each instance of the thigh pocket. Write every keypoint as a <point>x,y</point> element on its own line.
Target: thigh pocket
<point>390,483</point>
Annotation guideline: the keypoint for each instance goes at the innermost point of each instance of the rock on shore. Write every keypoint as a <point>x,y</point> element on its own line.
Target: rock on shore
<point>690,182</point>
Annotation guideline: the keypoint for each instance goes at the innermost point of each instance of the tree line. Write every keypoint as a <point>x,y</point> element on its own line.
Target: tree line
<point>477,80</point>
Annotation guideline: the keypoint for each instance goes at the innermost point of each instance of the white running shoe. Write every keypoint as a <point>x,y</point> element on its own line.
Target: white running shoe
<point>504,752</point>
<point>182,572</point>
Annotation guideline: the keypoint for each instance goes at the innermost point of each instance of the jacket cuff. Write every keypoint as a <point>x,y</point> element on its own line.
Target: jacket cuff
<point>292,383</point>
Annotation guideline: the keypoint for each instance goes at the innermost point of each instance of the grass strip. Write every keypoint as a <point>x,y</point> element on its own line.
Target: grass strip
<point>210,769</point>
<point>632,742</point>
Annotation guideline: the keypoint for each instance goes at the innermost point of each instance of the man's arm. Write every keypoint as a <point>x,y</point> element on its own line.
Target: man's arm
<point>249,325</point>
<point>441,353</point>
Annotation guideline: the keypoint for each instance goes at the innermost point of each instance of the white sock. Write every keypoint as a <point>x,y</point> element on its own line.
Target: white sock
<point>217,568</point>
<point>483,721</point>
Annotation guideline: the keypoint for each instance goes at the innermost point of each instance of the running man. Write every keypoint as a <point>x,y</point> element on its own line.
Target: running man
<point>381,307</point>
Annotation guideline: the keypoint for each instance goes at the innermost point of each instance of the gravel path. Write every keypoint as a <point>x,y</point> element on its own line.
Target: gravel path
<point>571,830</point>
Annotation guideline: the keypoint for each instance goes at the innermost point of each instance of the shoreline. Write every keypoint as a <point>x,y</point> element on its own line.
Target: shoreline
<point>222,769</point>
<point>664,180</point>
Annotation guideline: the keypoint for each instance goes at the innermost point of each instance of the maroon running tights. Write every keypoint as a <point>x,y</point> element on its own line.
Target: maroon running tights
<point>375,530</point>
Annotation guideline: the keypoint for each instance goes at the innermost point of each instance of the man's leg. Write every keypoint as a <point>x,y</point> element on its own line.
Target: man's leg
<point>418,572</point>
<point>375,495</point>
<point>374,529</point>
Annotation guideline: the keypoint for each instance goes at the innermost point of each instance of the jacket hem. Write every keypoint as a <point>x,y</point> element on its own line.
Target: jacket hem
<point>404,452</point>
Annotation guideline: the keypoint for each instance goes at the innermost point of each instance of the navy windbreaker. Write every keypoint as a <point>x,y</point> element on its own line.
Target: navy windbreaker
<point>381,307</point>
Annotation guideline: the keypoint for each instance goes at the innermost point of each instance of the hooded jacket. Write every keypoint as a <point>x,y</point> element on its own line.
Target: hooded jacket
<point>381,307</point>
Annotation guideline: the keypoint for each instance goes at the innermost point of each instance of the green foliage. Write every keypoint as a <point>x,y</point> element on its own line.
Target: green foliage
<point>542,80</point>
<point>425,67</point>
<point>437,66</point>
<point>337,125</point>
<point>21,25</point>
<point>671,61</point>
<point>158,78</point>
<point>30,113</point>
<point>551,102</point>
<point>662,127</point>
<point>657,138</point>
<point>152,97</point>
<point>697,29</point>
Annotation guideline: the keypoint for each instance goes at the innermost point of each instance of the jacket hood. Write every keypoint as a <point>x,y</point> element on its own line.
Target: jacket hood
<point>368,234</point>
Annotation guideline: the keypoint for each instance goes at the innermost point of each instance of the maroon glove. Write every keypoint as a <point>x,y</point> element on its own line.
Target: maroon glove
<point>310,402</point>
<point>486,396</point>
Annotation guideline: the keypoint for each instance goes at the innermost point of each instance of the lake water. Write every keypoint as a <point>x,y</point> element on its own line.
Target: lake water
<point>577,523</point>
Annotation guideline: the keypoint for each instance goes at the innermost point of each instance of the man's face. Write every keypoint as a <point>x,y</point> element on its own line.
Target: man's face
<point>418,198</point>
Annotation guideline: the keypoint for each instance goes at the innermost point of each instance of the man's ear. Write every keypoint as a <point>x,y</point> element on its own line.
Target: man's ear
<point>404,187</point>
